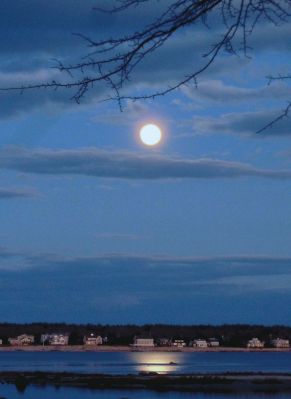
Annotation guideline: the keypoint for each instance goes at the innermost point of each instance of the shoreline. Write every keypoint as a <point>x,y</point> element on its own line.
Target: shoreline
<point>210,383</point>
<point>115,348</point>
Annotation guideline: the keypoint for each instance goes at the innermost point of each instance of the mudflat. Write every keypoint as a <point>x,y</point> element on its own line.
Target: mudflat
<point>211,383</point>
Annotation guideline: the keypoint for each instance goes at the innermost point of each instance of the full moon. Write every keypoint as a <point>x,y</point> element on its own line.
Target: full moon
<point>150,134</point>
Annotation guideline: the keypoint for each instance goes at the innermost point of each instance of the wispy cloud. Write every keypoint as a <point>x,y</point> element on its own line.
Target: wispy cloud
<point>127,165</point>
<point>217,91</point>
<point>204,267</point>
<point>245,123</point>
<point>132,112</point>
<point>118,236</point>
<point>11,193</point>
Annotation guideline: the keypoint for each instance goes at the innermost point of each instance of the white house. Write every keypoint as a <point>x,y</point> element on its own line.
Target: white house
<point>280,343</point>
<point>200,343</point>
<point>145,342</point>
<point>213,342</point>
<point>179,343</point>
<point>255,343</point>
<point>93,339</point>
<point>23,339</point>
<point>55,339</point>
<point>59,339</point>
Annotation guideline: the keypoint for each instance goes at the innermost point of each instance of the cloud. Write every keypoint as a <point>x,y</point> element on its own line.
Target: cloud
<point>50,37</point>
<point>53,32</point>
<point>126,165</point>
<point>139,288</point>
<point>132,112</point>
<point>202,267</point>
<point>29,44</point>
<point>12,193</point>
<point>5,253</point>
<point>18,102</point>
<point>162,69</point>
<point>285,154</point>
<point>26,32</point>
<point>268,37</point>
<point>118,236</point>
<point>217,91</point>
<point>245,123</point>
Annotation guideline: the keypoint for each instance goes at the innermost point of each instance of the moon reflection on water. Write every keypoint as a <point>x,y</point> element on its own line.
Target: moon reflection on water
<point>162,363</point>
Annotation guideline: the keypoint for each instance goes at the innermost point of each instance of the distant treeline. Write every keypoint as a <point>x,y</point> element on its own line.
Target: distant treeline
<point>232,335</point>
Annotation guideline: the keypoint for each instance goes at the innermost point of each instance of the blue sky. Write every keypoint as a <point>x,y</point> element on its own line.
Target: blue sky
<point>96,227</point>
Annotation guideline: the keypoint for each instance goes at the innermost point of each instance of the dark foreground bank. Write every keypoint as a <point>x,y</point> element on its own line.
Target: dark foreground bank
<point>208,383</point>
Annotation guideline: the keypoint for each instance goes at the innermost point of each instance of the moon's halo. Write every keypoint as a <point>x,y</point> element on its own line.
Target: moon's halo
<point>150,134</point>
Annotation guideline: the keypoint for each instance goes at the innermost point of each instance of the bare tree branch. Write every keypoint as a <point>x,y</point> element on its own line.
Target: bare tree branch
<point>113,60</point>
<point>284,114</point>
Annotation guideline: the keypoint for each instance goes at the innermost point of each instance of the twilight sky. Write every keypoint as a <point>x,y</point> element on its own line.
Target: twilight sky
<point>95,227</point>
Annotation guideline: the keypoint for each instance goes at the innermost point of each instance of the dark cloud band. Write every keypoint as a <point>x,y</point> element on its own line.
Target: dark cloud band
<point>10,193</point>
<point>126,165</point>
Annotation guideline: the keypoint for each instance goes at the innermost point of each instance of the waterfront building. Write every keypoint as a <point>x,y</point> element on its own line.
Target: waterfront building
<point>22,340</point>
<point>200,343</point>
<point>93,339</point>
<point>280,343</point>
<point>179,343</point>
<point>145,342</point>
<point>55,339</point>
<point>255,343</point>
<point>213,342</point>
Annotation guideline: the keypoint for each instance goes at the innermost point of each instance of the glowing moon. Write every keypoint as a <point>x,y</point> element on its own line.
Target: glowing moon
<point>150,134</point>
